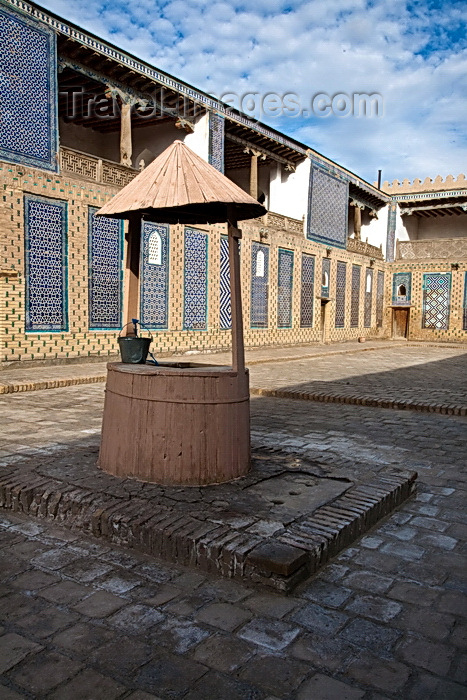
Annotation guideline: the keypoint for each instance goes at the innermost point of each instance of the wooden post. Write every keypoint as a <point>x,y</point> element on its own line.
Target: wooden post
<point>254,176</point>
<point>126,146</point>
<point>238,348</point>
<point>131,304</point>
<point>357,222</point>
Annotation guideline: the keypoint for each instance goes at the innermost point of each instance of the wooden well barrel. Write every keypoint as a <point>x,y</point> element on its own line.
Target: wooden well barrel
<point>176,424</point>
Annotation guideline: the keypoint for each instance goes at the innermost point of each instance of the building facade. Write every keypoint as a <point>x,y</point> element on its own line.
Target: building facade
<point>328,262</point>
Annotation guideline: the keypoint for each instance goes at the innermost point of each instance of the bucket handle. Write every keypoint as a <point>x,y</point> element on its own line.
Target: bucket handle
<point>134,322</point>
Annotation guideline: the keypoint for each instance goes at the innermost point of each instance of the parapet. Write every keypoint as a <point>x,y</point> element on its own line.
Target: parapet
<point>427,185</point>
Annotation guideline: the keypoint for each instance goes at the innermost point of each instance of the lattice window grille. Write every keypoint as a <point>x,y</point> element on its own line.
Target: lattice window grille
<point>355,296</point>
<point>436,298</point>
<point>105,248</point>
<point>340,294</point>
<point>379,299</point>
<point>195,280</point>
<point>284,288</point>
<point>307,290</point>
<point>225,306</point>
<point>259,288</point>
<point>464,324</point>
<point>154,296</point>
<point>401,282</point>
<point>45,264</point>
<point>368,298</point>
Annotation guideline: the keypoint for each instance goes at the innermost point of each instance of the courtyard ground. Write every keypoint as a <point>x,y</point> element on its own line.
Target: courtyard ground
<point>82,619</point>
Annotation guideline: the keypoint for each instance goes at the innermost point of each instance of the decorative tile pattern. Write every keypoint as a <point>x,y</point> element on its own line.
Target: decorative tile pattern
<point>225,308</point>
<point>154,297</point>
<point>368,297</point>
<point>216,141</point>
<point>355,296</point>
<point>325,277</point>
<point>28,95</point>
<point>391,233</point>
<point>464,318</point>
<point>327,208</point>
<point>105,248</point>
<point>284,288</point>
<point>307,290</point>
<point>379,299</point>
<point>340,294</point>
<point>436,297</point>
<point>195,295</point>
<point>45,264</point>
<point>259,285</point>
<point>401,281</point>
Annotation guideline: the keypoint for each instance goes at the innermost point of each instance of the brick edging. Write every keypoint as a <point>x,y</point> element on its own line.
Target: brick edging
<point>357,400</point>
<point>279,562</point>
<point>50,384</point>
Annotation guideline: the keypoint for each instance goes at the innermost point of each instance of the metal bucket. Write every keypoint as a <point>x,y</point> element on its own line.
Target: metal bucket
<point>134,350</point>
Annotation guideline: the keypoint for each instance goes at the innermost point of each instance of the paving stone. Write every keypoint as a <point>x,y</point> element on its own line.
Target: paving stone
<point>158,596</point>
<point>326,594</point>
<point>65,593</point>
<point>371,542</point>
<point>443,542</point>
<point>122,655</point>
<point>459,636</point>
<point>140,695</point>
<point>273,605</point>
<point>100,604</point>
<point>321,687</point>
<point>85,570</point>
<point>27,550</point>
<point>229,591</point>
<point>8,694</point>
<point>390,676</point>
<point>46,622</point>
<point>82,639</point>
<point>368,581</point>
<point>169,675</point>
<point>135,619</point>
<point>314,617</point>
<point>118,583</point>
<point>13,649</point>
<point>431,656</point>
<point>410,592</point>
<point>34,580</point>
<point>274,674</point>
<point>410,552</point>
<point>369,635</point>
<point>427,623</point>
<point>223,615</point>
<point>216,685</point>
<point>43,672</point>
<point>376,608</point>
<point>454,603</point>
<point>16,606</point>
<point>427,687</point>
<point>188,604</point>
<point>89,684</point>
<point>430,523</point>
<point>179,635</point>
<point>223,653</point>
<point>270,634</point>
<point>329,653</point>
<point>55,559</point>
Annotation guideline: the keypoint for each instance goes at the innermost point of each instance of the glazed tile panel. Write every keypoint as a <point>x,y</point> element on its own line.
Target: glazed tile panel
<point>284,288</point>
<point>28,124</point>
<point>45,264</point>
<point>327,208</point>
<point>154,297</point>
<point>225,310</point>
<point>195,293</point>
<point>216,141</point>
<point>340,294</point>
<point>105,246</point>
<point>259,285</point>
<point>379,299</point>
<point>401,280</point>
<point>355,297</point>
<point>306,292</point>
<point>436,296</point>
<point>326,277</point>
<point>464,319</point>
<point>368,297</point>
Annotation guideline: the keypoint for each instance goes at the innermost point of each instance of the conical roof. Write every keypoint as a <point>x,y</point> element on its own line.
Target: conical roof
<point>180,187</point>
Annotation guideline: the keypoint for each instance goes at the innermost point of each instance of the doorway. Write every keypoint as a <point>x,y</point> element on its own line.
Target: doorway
<point>400,323</point>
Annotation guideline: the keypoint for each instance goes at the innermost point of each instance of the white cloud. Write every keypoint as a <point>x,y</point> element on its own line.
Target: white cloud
<point>412,55</point>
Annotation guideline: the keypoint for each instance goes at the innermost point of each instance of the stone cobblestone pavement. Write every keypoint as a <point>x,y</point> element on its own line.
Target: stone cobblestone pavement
<point>386,619</point>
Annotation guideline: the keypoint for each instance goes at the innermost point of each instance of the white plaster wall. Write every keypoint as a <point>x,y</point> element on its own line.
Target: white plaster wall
<point>88,140</point>
<point>374,230</point>
<point>241,177</point>
<point>288,191</point>
<point>151,141</point>
<point>442,227</point>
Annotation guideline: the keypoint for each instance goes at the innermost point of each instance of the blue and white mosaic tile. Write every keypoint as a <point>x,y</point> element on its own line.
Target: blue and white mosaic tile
<point>307,290</point>
<point>464,324</point>
<point>436,299</point>
<point>28,93</point>
<point>379,299</point>
<point>355,296</point>
<point>105,246</point>
<point>225,308</point>
<point>216,141</point>
<point>154,297</point>
<point>195,293</point>
<point>259,285</point>
<point>327,208</point>
<point>45,264</point>
<point>284,288</point>
<point>340,294</point>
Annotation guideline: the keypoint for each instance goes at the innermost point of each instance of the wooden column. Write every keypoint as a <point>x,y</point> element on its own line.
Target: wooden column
<point>357,222</point>
<point>238,348</point>
<point>254,176</point>
<point>131,303</point>
<point>126,146</point>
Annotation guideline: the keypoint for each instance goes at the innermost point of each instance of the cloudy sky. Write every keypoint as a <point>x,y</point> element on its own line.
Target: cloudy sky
<point>412,54</point>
